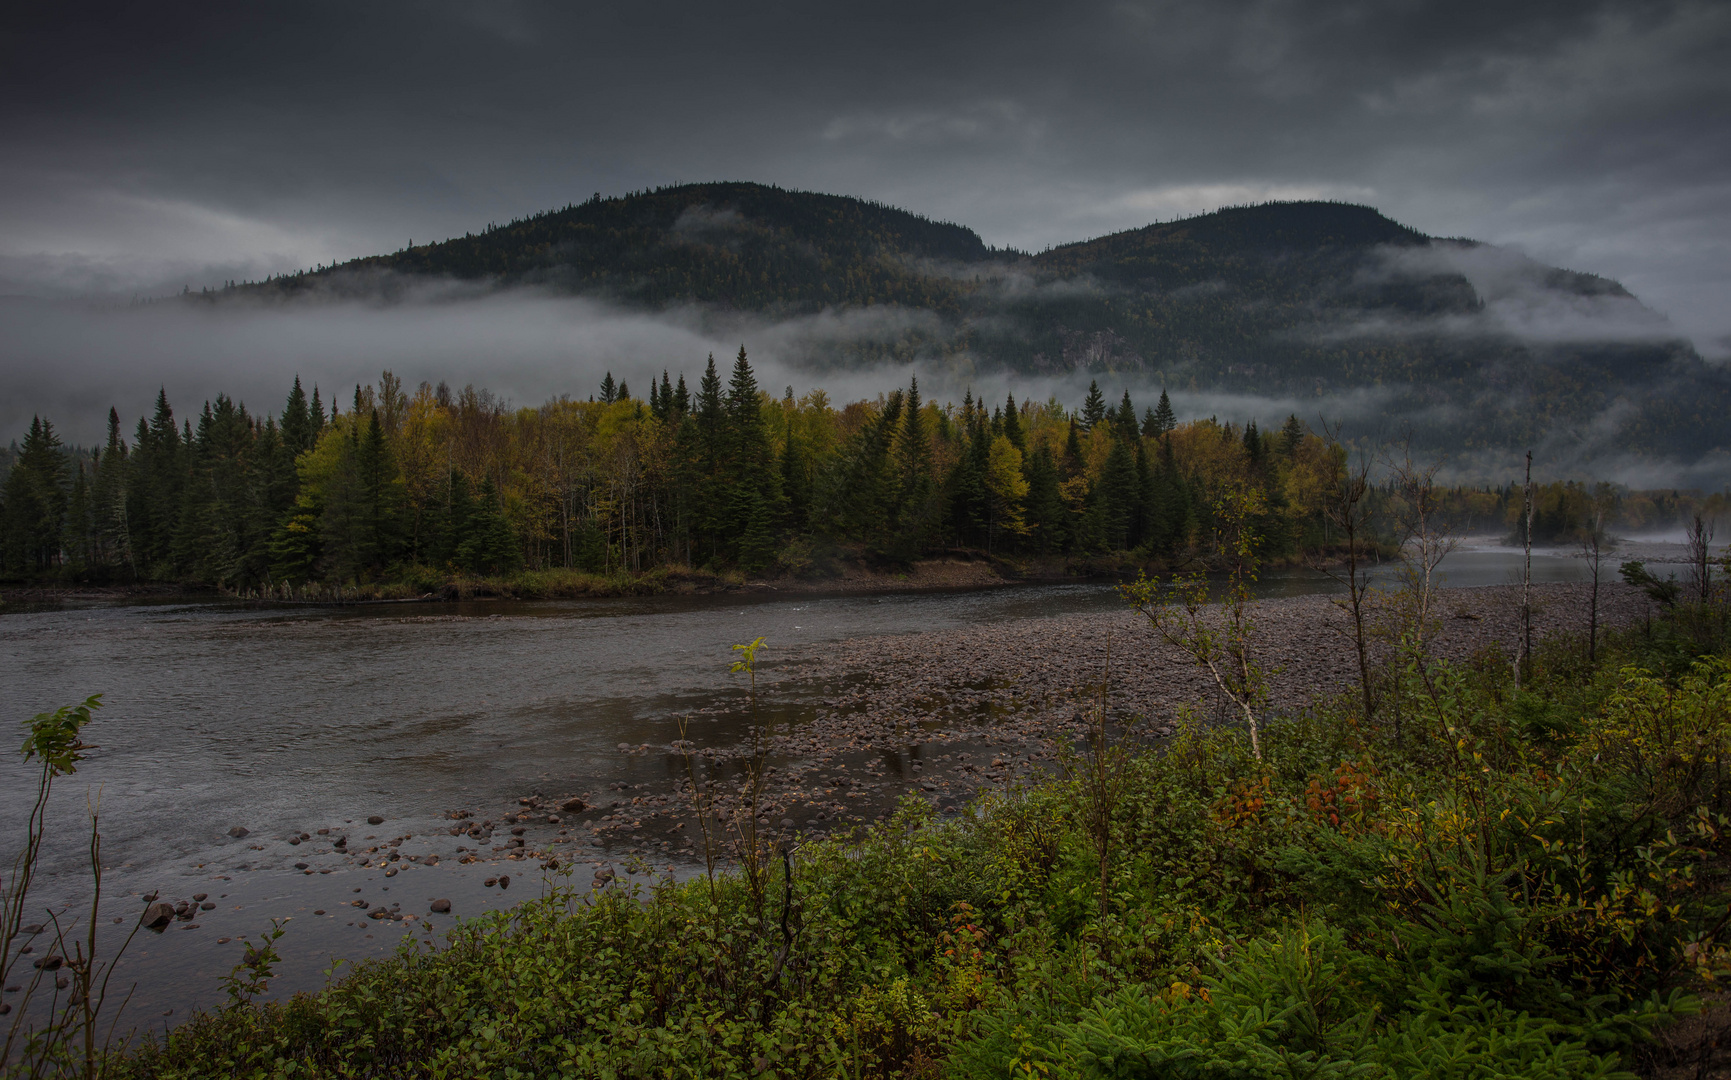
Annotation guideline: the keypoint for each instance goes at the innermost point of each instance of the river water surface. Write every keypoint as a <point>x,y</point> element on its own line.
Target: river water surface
<point>290,720</point>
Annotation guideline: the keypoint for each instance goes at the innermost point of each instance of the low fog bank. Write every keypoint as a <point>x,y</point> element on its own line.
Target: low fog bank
<point>70,360</point>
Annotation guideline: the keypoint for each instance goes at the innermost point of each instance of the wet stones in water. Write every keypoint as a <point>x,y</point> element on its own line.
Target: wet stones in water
<point>207,906</point>
<point>490,882</point>
<point>602,877</point>
<point>157,916</point>
<point>294,840</point>
<point>238,831</point>
<point>504,881</point>
<point>49,963</point>
<point>573,806</point>
<point>375,820</point>
<point>199,897</point>
<point>392,872</point>
<point>440,906</point>
<point>300,866</point>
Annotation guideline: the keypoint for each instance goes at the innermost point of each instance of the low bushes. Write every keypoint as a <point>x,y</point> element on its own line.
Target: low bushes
<point>1523,884</point>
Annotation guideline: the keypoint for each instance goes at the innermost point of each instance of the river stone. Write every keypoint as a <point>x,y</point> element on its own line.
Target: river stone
<point>504,881</point>
<point>490,882</point>
<point>207,906</point>
<point>157,916</point>
<point>375,820</point>
<point>238,831</point>
<point>49,963</point>
<point>200,897</point>
<point>573,806</point>
<point>441,906</point>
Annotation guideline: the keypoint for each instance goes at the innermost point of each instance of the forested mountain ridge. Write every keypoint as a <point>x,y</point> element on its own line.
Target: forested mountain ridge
<point>1474,347</point>
<point>747,247</point>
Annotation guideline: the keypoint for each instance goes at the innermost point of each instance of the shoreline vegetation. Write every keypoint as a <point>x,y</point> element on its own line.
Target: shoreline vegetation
<point>441,490</point>
<point>851,573</point>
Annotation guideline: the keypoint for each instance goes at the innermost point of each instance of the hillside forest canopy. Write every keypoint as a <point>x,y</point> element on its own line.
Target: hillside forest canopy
<point>412,490</point>
<point>1478,349</point>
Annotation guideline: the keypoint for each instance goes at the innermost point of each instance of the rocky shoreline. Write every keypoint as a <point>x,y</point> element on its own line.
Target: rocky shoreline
<point>863,723</point>
<point>944,715</point>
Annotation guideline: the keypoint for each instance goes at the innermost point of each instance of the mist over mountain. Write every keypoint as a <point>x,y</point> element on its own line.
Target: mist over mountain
<point>1477,350</point>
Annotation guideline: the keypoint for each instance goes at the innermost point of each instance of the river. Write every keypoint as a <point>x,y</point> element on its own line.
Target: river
<point>290,720</point>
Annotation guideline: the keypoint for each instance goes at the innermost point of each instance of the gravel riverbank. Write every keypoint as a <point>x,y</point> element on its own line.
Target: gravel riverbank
<point>942,715</point>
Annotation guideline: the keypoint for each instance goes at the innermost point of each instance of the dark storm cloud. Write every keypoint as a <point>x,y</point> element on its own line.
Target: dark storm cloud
<point>151,145</point>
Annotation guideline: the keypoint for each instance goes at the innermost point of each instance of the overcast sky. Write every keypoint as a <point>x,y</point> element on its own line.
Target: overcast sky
<point>146,146</point>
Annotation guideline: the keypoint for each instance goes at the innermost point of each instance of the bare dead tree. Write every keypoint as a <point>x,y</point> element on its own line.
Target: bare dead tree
<point>1426,540</point>
<point>1595,545</point>
<point>1348,509</point>
<point>1700,546</point>
<point>1217,640</point>
<point>1526,581</point>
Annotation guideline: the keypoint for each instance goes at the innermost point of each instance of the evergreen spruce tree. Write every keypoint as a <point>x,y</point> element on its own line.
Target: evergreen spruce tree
<point>751,485</point>
<point>966,492</point>
<point>1164,419</point>
<point>491,546</point>
<point>297,420</point>
<point>1125,419</point>
<point>916,502</point>
<point>78,537</point>
<point>609,390</point>
<point>35,500</point>
<point>381,496</point>
<point>682,397</point>
<point>1013,425</point>
<point>1291,434</point>
<point>154,495</point>
<point>624,391</point>
<point>1093,407</point>
<point>1116,495</point>
<point>708,479</point>
<point>114,541</point>
<point>1048,518</point>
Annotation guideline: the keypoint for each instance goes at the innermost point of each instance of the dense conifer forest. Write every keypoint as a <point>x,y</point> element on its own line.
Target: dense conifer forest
<point>416,489</point>
<point>1290,299</point>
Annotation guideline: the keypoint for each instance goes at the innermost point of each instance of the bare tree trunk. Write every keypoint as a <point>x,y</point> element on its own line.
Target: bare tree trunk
<point>1700,546</point>
<point>1527,584</point>
<point>1348,511</point>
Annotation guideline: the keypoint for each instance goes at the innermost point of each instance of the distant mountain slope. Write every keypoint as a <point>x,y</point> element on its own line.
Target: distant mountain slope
<point>745,246</point>
<point>1470,345</point>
